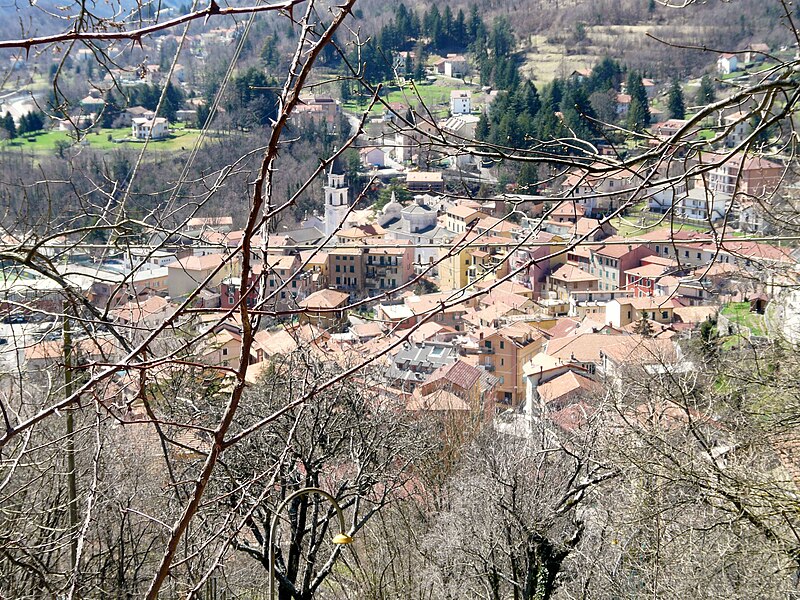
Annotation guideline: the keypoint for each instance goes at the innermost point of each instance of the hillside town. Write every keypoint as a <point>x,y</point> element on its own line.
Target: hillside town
<point>313,300</point>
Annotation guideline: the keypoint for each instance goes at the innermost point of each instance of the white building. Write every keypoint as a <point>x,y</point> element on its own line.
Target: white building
<point>727,64</point>
<point>460,102</point>
<point>702,204</point>
<point>143,128</point>
<point>336,202</point>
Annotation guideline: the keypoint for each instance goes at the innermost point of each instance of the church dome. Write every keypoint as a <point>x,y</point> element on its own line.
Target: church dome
<point>393,207</point>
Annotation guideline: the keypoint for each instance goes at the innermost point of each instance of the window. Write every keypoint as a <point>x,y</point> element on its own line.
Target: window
<point>283,295</point>
<point>502,362</point>
<point>664,314</point>
<point>338,280</point>
<point>294,284</point>
<point>488,344</point>
<point>338,269</point>
<point>502,345</point>
<point>224,352</point>
<point>502,380</point>
<point>686,253</point>
<point>698,255</point>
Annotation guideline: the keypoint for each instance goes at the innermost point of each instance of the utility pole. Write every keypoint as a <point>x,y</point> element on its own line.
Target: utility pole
<point>72,486</point>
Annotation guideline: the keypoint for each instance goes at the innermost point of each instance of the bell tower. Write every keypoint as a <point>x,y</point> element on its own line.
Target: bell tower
<point>336,202</point>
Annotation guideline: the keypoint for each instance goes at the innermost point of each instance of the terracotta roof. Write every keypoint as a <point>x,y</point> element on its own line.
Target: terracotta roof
<point>649,270</point>
<point>584,348</point>
<point>198,263</point>
<point>695,314</point>
<point>430,330</point>
<point>369,329</point>
<point>567,384</point>
<point>512,300</point>
<point>135,311</point>
<point>459,210</point>
<point>572,417</point>
<point>617,250</point>
<point>325,299</point>
<point>497,225</point>
<point>438,400</point>
<point>54,350</point>
<point>459,374</point>
<point>568,208</point>
<point>650,302</point>
<point>563,327</point>
<point>571,273</point>
<point>638,350</point>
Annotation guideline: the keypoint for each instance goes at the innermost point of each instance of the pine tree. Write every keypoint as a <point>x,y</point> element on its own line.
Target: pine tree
<point>644,327</point>
<point>639,111</point>
<point>675,104</point>
<point>705,95</point>
<point>8,126</point>
<point>482,128</point>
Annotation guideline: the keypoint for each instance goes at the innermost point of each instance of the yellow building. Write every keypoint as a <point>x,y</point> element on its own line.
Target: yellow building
<point>473,258</point>
<point>504,352</point>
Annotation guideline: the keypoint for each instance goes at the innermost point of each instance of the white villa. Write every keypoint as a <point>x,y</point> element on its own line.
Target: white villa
<point>156,129</point>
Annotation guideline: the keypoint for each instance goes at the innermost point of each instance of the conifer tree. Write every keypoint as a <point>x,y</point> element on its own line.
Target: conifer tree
<point>675,104</point>
<point>705,95</point>
<point>639,111</point>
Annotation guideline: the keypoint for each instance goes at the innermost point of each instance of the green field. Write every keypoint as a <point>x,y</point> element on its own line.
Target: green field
<point>739,313</point>
<point>435,96</point>
<point>103,139</point>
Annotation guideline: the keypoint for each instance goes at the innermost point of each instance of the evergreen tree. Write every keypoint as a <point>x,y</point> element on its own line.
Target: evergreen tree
<point>110,110</point>
<point>203,112</point>
<point>644,327</point>
<point>528,178</point>
<point>8,126</point>
<point>482,128</point>
<point>547,124</point>
<point>706,94</point>
<point>639,111</point>
<point>675,104</point>
<point>577,112</point>
<point>606,74</point>
<point>345,89</point>
<point>173,102</point>
<point>269,53</point>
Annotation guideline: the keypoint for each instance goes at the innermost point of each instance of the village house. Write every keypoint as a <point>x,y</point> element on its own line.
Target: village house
<point>372,157</point>
<point>741,174</point>
<point>318,109</point>
<point>460,102</point>
<point>188,274</point>
<point>425,181</point>
<point>325,309</point>
<point>703,204</point>
<point>279,282</point>
<point>457,385</point>
<point>609,262</point>
<point>452,65</point>
<point>727,64</point>
<point>154,128</point>
<point>624,311</point>
<point>567,279</point>
<point>414,362</point>
<point>459,217</point>
<point>504,352</point>
<point>533,263</point>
